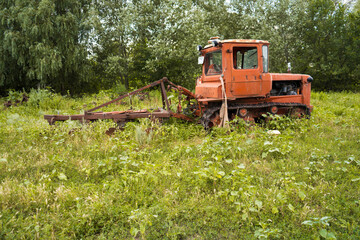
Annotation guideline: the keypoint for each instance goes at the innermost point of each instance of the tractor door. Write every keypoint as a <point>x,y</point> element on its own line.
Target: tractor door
<point>246,81</point>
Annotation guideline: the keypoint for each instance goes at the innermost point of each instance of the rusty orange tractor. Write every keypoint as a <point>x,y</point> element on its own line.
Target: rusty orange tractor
<point>236,73</point>
<point>235,81</point>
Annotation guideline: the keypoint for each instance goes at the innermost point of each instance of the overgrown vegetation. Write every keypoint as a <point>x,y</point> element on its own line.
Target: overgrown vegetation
<point>86,46</point>
<point>175,181</point>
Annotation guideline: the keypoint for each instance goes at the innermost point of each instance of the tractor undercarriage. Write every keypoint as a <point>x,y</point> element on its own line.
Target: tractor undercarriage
<point>253,112</point>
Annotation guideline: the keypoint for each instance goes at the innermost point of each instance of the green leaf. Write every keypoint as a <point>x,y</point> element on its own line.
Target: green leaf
<point>325,220</point>
<point>331,235</point>
<point>241,166</point>
<point>274,210</point>
<point>302,195</point>
<point>134,231</point>
<point>221,173</point>
<point>274,150</point>
<point>62,176</point>
<point>323,233</point>
<point>258,204</point>
<point>308,222</point>
<point>355,179</point>
<point>252,209</point>
<point>267,143</point>
<point>228,160</point>
<point>234,193</point>
<point>3,160</point>
<point>291,207</point>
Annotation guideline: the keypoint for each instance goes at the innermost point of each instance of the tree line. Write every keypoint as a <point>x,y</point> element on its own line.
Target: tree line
<point>82,46</point>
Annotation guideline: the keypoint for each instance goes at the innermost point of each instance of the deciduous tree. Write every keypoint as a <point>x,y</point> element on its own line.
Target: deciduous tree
<point>43,43</point>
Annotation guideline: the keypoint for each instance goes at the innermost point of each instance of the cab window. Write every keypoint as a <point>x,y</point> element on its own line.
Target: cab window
<point>245,58</point>
<point>265,52</point>
<point>213,63</point>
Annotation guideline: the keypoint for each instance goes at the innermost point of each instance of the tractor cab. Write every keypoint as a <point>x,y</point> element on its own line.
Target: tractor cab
<point>242,65</point>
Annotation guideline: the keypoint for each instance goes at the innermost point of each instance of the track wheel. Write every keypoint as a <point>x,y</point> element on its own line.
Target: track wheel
<point>297,112</point>
<point>210,118</point>
<point>215,119</point>
<point>243,112</point>
<point>273,109</point>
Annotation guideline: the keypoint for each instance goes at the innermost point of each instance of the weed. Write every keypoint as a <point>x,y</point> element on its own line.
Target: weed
<point>176,181</point>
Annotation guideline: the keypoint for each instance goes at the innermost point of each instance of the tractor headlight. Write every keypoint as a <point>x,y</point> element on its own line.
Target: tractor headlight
<point>214,43</point>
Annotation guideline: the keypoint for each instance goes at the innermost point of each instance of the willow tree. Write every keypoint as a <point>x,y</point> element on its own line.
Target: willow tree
<point>43,43</point>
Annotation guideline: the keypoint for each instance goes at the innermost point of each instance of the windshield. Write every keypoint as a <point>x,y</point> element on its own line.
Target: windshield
<point>265,53</point>
<point>245,58</point>
<point>213,63</point>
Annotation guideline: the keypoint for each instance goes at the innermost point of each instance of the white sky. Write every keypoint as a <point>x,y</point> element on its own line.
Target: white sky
<point>343,1</point>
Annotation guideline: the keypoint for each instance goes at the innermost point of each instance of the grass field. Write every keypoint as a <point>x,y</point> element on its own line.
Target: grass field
<point>178,182</point>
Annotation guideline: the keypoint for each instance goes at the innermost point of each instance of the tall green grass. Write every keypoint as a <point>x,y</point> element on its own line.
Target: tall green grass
<point>177,181</point>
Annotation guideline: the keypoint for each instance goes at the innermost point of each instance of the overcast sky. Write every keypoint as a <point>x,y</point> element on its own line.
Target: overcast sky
<point>343,1</point>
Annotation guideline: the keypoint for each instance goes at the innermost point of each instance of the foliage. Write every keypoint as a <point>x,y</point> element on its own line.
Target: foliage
<point>325,45</point>
<point>176,181</point>
<point>43,43</point>
<point>357,6</point>
<point>85,46</point>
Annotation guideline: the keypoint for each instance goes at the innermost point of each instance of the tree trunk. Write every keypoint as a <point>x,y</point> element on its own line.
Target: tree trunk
<point>126,80</point>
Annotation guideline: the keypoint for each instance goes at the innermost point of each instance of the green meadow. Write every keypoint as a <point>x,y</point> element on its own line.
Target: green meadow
<point>174,180</point>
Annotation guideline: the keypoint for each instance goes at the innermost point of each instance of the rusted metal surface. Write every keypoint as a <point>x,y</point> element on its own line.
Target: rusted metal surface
<point>182,116</point>
<point>250,112</point>
<point>17,102</point>
<point>125,116</point>
<point>127,95</point>
<point>182,90</point>
<point>164,96</point>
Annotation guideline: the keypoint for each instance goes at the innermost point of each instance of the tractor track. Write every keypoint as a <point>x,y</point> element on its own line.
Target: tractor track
<point>205,119</point>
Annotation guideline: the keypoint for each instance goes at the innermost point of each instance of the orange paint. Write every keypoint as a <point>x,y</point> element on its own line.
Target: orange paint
<point>244,65</point>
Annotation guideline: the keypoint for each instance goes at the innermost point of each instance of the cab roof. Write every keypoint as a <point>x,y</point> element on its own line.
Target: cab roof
<point>243,41</point>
